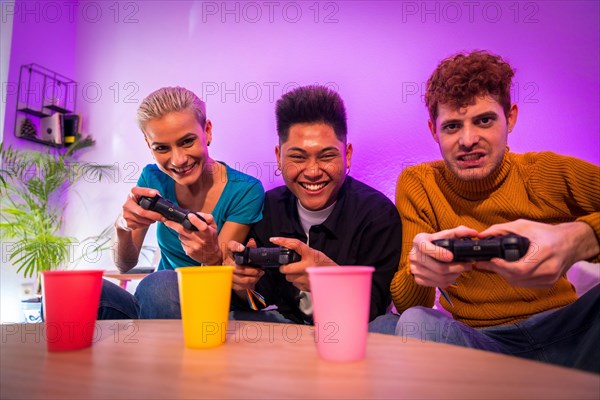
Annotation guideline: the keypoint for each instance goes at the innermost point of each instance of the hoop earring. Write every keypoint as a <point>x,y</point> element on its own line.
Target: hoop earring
<point>348,170</point>
<point>278,171</point>
<point>208,143</point>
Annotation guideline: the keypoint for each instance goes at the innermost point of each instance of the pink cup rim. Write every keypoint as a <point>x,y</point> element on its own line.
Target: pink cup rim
<point>340,270</point>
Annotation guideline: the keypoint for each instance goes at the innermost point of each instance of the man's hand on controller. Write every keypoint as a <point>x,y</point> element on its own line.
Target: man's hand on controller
<point>244,277</point>
<point>432,265</point>
<point>296,272</point>
<point>552,251</point>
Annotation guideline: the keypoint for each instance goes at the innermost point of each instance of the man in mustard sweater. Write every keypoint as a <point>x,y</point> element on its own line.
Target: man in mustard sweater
<point>526,308</point>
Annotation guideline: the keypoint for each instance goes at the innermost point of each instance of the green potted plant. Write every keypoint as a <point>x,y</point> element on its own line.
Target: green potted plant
<point>33,186</point>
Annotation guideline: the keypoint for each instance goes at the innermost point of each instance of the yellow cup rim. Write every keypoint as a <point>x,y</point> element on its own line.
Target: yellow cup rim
<point>204,269</point>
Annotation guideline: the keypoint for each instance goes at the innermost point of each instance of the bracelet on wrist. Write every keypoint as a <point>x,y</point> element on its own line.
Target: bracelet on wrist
<point>122,224</point>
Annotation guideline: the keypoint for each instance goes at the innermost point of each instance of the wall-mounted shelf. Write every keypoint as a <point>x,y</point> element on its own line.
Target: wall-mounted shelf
<point>46,102</point>
<point>33,112</point>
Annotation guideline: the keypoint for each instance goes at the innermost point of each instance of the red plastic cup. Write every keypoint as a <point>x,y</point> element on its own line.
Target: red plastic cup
<point>71,301</point>
<point>341,299</point>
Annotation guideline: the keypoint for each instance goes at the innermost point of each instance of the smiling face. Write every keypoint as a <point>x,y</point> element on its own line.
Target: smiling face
<point>313,162</point>
<point>473,139</point>
<point>178,144</point>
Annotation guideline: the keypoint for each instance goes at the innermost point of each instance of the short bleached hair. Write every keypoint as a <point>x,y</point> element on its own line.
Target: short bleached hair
<point>170,99</point>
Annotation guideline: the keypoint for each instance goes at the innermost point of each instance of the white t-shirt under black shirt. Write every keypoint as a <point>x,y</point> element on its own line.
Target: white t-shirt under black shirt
<point>310,218</point>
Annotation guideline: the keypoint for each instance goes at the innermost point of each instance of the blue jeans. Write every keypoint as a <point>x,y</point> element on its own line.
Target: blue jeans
<point>385,324</point>
<point>157,297</point>
<point>116,303</point>
<point>568,336</point>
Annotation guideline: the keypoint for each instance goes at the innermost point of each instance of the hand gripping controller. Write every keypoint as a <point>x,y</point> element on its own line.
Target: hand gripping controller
<point>168,210</point>
<point>266,257</point>
<point>509,247</point>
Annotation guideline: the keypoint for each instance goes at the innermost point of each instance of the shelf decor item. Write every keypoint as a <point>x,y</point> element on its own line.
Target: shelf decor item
<point>27,129</point>
<point>46,102</point>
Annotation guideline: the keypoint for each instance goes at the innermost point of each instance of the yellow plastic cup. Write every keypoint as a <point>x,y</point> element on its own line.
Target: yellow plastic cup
<point>204,294</point>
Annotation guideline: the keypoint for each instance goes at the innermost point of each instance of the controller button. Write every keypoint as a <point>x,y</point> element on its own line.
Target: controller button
<point>511,254</point>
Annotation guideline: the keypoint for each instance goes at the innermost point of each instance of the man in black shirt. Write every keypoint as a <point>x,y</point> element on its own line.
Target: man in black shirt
<point>323,214</point>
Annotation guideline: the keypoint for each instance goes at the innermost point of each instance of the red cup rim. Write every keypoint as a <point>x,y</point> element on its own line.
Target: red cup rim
<point>74,271</point>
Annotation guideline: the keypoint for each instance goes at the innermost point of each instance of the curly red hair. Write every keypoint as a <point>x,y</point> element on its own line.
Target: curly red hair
<point>460,78</point>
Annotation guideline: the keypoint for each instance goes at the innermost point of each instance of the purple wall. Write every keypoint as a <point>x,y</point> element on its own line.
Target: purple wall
<point>40,35</point>
<point>242,56</point>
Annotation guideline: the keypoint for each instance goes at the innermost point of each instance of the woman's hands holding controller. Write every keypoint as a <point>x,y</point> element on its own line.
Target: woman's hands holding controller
<point>135,217</point>
<point>131,227</point>
<point>201,245</point>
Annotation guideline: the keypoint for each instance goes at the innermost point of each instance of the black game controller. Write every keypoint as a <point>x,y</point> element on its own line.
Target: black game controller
<point>509,248</point>
<point>168,210</point>
<point>266,257</point>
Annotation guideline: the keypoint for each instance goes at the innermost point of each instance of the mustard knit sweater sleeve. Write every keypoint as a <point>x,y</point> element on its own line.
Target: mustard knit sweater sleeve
<point>544,187</point>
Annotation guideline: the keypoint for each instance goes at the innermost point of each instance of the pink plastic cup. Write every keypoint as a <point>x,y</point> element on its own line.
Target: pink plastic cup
<point>71,301</point>
<point>341,301</point>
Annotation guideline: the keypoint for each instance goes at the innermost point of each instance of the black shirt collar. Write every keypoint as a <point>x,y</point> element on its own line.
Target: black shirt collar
<point>292,227</point>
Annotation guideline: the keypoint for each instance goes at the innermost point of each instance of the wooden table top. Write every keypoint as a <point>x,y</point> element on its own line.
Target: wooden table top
<point>147,360</point>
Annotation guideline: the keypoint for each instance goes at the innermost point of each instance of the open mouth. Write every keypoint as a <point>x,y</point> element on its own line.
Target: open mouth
<point>183,170</point>
<point>471,160</point>
<point>313,187</point>
<point>471,157</point>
